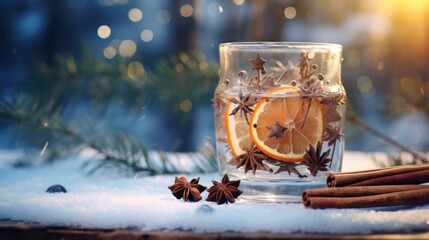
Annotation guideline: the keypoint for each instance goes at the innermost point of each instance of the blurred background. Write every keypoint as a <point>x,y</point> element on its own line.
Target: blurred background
<point>148,68</point>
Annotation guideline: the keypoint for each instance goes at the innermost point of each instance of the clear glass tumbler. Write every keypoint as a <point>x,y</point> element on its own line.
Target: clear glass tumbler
<point>279,114</point>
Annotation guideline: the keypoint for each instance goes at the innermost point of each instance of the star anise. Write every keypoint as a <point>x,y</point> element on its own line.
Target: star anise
<point>252,160</point>
<point>225,191</point>
<point>277,130</point>
<point>332,135</point>
<point>265,84</point>
<point>309,82</point>
<point>244,104</point>
<point>258,63</point>
<point>303,66</point>
<point>289,167</point>
<point>315,161</point>
<point>331,114</point>
<point>339,99</point>
<point>311,86</point>
<point>189,191</point>
<point>330,104</point>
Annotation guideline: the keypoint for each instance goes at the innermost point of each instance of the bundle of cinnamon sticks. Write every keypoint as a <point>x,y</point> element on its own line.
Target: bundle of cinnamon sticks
<point>372,188</point>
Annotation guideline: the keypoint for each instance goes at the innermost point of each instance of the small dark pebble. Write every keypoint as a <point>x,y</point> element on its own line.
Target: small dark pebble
<point>205,209</point>
<point>56,189</point>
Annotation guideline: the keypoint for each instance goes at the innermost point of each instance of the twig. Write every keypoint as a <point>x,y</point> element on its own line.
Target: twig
<point>306,112</point>
<point>333,152</point>
<point>127,152</point>
<point>362,125</point>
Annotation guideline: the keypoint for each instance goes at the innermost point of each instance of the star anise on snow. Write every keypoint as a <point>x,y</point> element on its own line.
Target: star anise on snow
<point>315,161</point>
<point>277,130</point>
<point>189,191</point>
<point>332,135</point>
<point>258,63</point>
<point>244,104</point>
<point>225,191</point>
<point>252,160</point>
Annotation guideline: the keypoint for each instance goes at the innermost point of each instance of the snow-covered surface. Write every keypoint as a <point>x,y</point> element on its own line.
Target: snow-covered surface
<point>146,204</point>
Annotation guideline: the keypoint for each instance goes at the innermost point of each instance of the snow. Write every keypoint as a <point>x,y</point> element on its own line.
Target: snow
<point>146,203</point>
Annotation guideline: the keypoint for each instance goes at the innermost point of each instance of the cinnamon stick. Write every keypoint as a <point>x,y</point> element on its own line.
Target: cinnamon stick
<point>366,196</point>
<point>408,174</point>
<point>359,191</point>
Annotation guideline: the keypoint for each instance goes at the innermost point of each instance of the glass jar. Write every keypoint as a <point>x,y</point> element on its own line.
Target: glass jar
<point>279,115</point>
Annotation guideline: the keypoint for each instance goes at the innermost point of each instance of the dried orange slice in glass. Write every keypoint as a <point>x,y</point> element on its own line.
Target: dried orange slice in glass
<point>284,124</point>
<point>237,131</point>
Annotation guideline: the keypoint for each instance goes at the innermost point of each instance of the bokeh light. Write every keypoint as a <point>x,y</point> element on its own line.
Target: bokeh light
<point>411,88</point>
<point>353,59</point>
<point>127,48</point>
<point>103,31</point>
<point>135,15</point>
<point>186,10</point>
<point>146,35</point>
<point>424,89</point>
<point>163,16</point>
<point>238,2</point>
<point>215,9</point>
<point>365,86</point>
<point>203,65</point>
<point>290,12</point>
<point>185,105</point>
<point>109,52</point>
<point>179,68</point>
<point>135,70</point>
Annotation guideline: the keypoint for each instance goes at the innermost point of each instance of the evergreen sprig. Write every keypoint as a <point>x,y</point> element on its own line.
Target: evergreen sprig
<point>123,153</point>
<point>184,77</point>
<point>37,113</point>
<point>69,80</point>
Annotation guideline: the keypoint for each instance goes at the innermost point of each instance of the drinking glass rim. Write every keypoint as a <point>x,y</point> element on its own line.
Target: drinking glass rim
<point>280,44</point>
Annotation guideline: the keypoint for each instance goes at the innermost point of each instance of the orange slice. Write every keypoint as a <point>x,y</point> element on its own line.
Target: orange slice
<point>300,120</point>
<point>237,131</point>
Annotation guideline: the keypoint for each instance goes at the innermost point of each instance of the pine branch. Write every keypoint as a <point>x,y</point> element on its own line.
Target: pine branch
<point>69,80</point>
<point>121,152</point>
<point>38,113</point>
<point>182,78</point>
